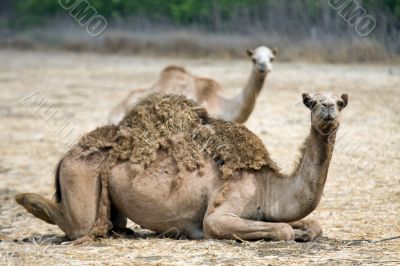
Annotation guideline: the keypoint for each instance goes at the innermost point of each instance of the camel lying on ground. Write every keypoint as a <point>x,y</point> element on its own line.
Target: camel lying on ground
<point>170,166</point>
<point>177,80</point>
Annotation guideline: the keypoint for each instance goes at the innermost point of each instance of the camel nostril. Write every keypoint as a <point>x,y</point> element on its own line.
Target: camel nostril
<point>262,67</point>
<point>328,118</point>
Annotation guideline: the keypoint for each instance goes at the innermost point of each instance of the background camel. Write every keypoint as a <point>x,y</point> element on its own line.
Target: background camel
<point>177,80</point>
<point>253,201</point>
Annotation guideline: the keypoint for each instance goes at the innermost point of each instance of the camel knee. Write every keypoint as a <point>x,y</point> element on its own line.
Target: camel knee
<point>212,227</point>
<point>218,227</point>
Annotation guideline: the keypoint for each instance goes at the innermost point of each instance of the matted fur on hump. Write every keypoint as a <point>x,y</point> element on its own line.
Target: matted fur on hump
<point>183,128</point>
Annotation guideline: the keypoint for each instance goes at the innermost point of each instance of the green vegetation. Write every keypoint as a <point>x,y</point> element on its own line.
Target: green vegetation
<point>210,14</point>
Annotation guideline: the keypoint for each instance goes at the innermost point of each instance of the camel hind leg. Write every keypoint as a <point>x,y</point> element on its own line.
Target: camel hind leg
<point>39,206</point>
<point>77,194</point>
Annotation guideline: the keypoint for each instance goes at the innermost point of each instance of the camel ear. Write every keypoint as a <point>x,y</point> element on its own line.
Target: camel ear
<point>342,103</point>
<point>308,101</point>
<point>275,51</point>
<point>249,52</point>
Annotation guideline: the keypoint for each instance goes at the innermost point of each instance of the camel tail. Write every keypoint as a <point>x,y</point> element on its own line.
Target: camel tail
<point>57,194</point>
<point>41,207</point>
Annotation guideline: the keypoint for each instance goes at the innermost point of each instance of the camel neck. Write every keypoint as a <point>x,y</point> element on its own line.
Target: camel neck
<point>295,196</point>
<point>247,99</point>
<point>254,83</point>
<point>240,107</point>
<point>314,164</point>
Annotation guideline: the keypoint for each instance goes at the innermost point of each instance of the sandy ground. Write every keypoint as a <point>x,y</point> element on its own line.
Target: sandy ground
<point>361,202</point>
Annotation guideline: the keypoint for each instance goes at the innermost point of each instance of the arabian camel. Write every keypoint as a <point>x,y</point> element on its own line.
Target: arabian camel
<point>206,179</point>
<point>176,80</point>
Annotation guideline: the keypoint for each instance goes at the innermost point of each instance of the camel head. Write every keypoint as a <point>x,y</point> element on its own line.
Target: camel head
<point>262,58</point>
<point>325,110</point>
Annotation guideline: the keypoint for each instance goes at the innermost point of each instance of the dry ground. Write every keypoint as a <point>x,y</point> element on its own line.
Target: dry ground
<point>362,195</point>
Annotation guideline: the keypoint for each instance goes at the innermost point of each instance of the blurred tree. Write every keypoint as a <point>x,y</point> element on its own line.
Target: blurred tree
<point>212,15</point>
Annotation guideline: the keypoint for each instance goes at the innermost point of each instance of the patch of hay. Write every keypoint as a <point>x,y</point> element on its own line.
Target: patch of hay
<point>182,128</point>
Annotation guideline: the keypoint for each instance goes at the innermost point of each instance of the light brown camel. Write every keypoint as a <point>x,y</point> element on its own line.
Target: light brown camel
<point>216,182</point>
<point>176,80</point>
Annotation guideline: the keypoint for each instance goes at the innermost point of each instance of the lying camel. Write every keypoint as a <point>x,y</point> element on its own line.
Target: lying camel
<point>174,167</point>
<point>177,80</point>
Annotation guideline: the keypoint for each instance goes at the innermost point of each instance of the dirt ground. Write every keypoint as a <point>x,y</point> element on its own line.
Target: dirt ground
<point>360,209</point>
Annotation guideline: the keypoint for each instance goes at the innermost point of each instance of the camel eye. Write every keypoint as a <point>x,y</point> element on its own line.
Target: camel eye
<point>272,59</point>
<point>254,60</point>
<point>324,105</point>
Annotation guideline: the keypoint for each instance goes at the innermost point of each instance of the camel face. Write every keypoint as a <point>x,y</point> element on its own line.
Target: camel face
<point>325,110</point>
<point>262,58</point>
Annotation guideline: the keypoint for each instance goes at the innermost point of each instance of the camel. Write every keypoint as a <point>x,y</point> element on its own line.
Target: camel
<point>176,80</point>
<point>218,182</point>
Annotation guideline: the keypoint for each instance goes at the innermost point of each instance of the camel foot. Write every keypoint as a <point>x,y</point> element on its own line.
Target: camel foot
<point>304,235</point>
<point>306,230</point>
<point>101,228</point>
<point>122,231</point>
<point>82,240</point>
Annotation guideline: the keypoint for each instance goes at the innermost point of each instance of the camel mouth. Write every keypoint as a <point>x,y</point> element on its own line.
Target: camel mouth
<point>330,122</point>
<point>262,68</point>
<point>328,126</point>
<point>263,71</point>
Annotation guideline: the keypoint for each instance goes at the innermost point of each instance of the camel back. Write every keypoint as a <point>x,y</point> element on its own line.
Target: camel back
<point>183,128</point>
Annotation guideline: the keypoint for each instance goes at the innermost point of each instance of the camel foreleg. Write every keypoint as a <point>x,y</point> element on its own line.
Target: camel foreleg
<point>231,226</point>
<point>306,230</point>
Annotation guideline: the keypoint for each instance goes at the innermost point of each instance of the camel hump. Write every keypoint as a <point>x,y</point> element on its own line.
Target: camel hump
<point>207,89</point>
<point>172,68</point>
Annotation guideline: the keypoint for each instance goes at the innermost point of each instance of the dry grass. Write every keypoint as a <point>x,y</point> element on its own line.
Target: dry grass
<point>358,205</point>
<point>194,44</point>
